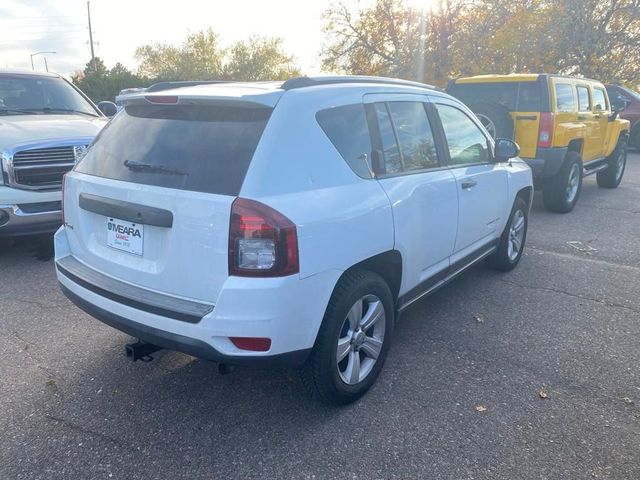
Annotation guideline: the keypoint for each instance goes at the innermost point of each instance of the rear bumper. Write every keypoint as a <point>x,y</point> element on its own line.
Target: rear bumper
<point>29,219</point>
<point>180,343</point>
<point>288,310</point>
<point>547,162</point>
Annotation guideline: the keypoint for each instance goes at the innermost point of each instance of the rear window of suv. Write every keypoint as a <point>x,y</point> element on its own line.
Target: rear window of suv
<point>201,148</point>
<point>515,96</point>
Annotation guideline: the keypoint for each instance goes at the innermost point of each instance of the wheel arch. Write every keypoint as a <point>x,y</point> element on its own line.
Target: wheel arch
<point>387,264</point>
<point>526,194</point>
<point>576,145</point>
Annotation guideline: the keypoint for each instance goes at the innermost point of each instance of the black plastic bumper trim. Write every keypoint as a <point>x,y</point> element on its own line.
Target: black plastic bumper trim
<point>181,343</point>
<point>135,297</point>
<point>548,161</point>
<point>131,212</point>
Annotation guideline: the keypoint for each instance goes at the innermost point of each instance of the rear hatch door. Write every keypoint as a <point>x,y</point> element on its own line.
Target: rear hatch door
<point>150,202</point>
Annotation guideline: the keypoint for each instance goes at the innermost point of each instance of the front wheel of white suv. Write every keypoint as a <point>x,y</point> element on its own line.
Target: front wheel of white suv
<point>512,240</point>
<point>353,341</point>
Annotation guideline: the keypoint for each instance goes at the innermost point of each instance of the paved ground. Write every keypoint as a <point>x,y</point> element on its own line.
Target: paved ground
<point>567,322</point>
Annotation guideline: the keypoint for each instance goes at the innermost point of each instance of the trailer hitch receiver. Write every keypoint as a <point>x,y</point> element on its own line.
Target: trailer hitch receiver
<point>141,351</point>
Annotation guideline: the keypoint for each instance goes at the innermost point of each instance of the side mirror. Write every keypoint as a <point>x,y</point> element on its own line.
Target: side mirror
<point>506,149</point>
<point>109,109</point>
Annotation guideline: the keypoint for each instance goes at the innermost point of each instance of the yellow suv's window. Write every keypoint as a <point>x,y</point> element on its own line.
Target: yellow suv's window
<point>584,104</point>
<point>599,100</point>
<point>564,98</point>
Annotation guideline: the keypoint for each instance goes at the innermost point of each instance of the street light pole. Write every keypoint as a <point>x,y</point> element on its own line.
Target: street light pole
<point>45,60</point>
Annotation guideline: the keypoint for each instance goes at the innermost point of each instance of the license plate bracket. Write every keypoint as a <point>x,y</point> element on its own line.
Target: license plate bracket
<point>125,236</point>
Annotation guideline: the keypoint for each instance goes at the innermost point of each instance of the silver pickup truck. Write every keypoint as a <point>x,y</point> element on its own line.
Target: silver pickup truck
<point>46,124</point>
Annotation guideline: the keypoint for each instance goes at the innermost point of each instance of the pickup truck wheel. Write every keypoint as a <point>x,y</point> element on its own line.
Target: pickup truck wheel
<point>560,193</point>
<point>612,176</point>
<point>353,341</point>
<point>511,245</point>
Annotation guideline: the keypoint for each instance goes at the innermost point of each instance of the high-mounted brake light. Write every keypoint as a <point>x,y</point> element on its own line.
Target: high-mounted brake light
<point>162,98</point>
<point>262,241</point>
<point>545,130</point>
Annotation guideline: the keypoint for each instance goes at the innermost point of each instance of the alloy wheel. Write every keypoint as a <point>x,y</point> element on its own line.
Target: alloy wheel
<point>361,339</point>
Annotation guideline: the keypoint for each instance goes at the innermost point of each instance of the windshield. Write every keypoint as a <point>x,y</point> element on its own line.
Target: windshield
<point>634,94</point>
<point>24,94</point>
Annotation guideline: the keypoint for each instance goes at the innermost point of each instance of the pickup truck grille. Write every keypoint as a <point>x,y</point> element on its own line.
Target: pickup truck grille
<point>42,168</point>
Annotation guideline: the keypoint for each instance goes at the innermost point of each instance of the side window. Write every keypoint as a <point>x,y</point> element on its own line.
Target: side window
<point>584,104</point>
<point>414,134</point>
<point>564,98</point>
<point>467,144</point>
<point>347,129</point>
<point>599,100</point>
<point>392,161</point>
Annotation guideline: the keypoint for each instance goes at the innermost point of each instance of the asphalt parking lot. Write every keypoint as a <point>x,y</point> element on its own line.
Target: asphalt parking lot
<point>460,396</point>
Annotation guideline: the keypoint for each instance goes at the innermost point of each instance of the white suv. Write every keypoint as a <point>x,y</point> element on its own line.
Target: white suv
<point>286,222</point>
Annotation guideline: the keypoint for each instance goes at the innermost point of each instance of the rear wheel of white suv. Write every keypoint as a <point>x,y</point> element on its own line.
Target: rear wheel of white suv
<point>353,341</point>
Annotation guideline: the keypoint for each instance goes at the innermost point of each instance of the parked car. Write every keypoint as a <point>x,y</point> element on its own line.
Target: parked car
<point>565,128</point>
<point>46,125</point>
<point>286,222</point>
<point>627,102</point>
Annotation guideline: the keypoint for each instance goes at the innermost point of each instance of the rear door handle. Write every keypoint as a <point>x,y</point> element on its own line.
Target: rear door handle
<point>468,184</point>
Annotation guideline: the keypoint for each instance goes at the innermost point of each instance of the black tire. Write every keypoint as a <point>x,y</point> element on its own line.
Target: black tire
<point>612,176</point>
<point>554,190</point>
<point>634,139</point>
<point>321,374</point>
<point>503,259</point>
<point>497,115</point>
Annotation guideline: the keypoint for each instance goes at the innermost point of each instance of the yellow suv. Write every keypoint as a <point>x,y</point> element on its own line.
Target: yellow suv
<point>565,127</point>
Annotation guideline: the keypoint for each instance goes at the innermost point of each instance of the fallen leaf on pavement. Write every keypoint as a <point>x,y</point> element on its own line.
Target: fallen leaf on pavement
<point>543,394</point>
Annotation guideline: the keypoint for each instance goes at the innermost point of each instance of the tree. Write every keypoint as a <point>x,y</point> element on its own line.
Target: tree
<point>104,84</point>
<point>601,39</point>
<point>259,58</point>
<point>201,57</point>
<point>198,58</point>
<point>386,39</point>
<point>593,38</point>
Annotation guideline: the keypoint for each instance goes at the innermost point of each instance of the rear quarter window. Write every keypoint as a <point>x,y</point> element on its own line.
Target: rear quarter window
<point>201,148</point>
<point>348,131</point>
<point>565,101</point>
<point>514,96</point>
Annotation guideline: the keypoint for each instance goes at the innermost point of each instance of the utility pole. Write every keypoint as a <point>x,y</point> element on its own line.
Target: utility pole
<point>93,55</point>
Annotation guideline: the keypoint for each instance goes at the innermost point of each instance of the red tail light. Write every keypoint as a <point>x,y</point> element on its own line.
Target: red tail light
<point>262,241</point>
<point>256,344</point>
<point>64,219</point>
<point>545,130</point>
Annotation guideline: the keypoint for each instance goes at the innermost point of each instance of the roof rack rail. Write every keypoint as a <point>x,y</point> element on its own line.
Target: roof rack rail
<point>302,82</point>
<point>157,87</point>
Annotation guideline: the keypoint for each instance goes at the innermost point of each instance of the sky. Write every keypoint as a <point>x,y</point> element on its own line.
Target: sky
<point>119,26</point>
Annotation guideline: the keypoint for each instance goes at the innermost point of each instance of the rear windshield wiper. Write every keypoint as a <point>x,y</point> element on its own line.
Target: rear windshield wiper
<point>148,167</point>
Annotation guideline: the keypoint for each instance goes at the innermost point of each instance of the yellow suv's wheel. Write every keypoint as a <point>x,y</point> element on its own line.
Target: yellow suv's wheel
<point>560,193</point>
<point>612,176</point>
